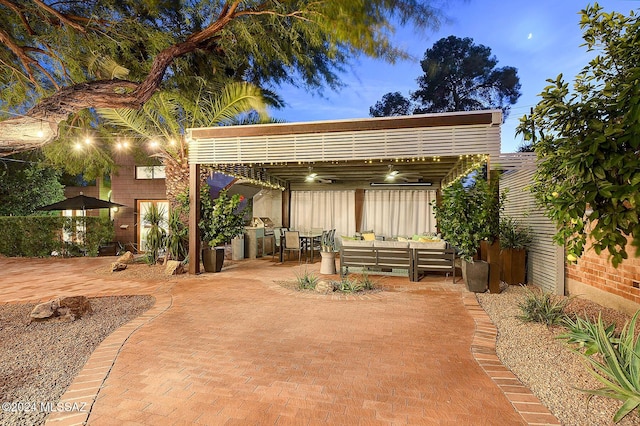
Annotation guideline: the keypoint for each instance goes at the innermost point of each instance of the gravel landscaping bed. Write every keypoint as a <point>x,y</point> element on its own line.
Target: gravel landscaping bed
<point>546,365</point>
<point>38,361</point>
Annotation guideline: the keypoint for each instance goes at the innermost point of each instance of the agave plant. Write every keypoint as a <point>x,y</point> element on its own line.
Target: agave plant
<point>617,366</point>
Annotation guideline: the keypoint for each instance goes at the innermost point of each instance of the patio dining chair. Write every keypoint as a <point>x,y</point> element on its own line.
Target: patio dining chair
<point>292,243</point>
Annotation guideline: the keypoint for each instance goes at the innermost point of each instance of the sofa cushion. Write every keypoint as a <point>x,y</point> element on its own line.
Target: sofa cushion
<point>394,244</point>
<point>368,236</point>
<point>357,243</point>
<point>441,244</point>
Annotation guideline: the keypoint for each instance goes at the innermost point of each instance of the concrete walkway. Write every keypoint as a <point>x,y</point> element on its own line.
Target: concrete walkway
<point>236,348</point>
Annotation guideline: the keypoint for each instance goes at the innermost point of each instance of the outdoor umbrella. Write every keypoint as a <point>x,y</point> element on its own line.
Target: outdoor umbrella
<point>80,202</point>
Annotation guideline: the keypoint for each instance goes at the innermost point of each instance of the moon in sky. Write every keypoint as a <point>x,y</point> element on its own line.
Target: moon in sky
<point>530,36</point>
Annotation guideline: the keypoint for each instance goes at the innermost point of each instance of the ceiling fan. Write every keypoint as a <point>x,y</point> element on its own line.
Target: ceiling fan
<point>314,177</point>
<point>395,175</point>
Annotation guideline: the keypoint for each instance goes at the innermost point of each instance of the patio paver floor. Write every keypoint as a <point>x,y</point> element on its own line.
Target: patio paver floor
<point>236,348</point>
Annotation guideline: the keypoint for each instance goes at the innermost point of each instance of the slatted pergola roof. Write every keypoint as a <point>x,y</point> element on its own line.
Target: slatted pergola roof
<point>429,148</point>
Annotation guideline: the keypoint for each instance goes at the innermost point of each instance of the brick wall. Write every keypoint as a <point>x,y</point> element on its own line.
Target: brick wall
<point>126,190</point>
<point>595,272</point>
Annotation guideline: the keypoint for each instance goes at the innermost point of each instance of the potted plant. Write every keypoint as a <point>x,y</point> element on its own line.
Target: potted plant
<point>466,216</point>
<point>515,238</point>
<point>328,253</point>
<point>220,220</point>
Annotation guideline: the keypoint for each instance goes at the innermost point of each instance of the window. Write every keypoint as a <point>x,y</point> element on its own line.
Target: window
<point>150,172</point>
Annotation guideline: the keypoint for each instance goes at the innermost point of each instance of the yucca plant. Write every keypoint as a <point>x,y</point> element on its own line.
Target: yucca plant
<point>618,365</point>
<point>154,217</point>
<point>543,308</point>
<point>178,237</point>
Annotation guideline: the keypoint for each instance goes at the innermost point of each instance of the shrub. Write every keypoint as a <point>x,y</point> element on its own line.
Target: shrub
<point>618,365</point>
<point>306,281</point>
<point>543,308</point>
<point>40,236</point>
<point>348,285</point>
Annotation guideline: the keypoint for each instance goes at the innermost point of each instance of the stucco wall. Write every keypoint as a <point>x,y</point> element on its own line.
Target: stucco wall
<point>126,190</point>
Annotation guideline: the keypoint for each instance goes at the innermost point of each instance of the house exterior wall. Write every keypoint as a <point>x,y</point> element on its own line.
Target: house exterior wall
<point>594,277</point>
<point>127,190</point>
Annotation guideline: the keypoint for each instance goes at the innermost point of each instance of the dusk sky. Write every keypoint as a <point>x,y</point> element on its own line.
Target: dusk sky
<point>540,38</point>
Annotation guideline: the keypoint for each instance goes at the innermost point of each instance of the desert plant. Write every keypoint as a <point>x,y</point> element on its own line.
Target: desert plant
<point>543,308</point>
<point>154,216</point>
<point>328,243</point>
<point>306,281</point>
<point>582,333</point>
<point>367,283</point>
<point>178,237</point>
<point>514,235</point>
<point>348,285</point>
<point>618,365</point>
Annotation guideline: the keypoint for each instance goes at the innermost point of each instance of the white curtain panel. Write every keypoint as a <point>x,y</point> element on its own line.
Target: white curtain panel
<point>395,213</point>
<point>325,210</point>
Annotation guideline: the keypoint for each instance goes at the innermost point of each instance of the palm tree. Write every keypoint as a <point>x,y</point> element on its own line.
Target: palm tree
<point>163,120</point>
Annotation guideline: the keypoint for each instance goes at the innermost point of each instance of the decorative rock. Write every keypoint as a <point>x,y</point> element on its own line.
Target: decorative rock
<point>324,287</point>
<point>118,266</point>
<point>125,258</point>
<point>68,308</point>
<point>174,267</point>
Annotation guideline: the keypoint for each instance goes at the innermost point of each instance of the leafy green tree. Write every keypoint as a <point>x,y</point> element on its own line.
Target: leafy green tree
<point>587,140</point>
<point>462,76</point>
<point>61,58</point>
<point>25,184</point>
<point>392,104</point>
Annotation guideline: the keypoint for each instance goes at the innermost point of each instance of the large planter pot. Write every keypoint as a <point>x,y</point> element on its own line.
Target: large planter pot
<point>212,258</point>
<point>513,266</point>
<point>237,248</point>
<point>328,265</point>
<point>476,275</point>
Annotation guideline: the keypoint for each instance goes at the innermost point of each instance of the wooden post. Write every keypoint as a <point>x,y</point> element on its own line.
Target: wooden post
<point>194,219</point>
<point>286,208</point>
<point>359,208</point>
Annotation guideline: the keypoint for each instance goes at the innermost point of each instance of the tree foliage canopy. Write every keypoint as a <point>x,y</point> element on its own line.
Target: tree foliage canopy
<point>587,140</point>
<point>392,104</point>
<point>26,185</point>
<point>61,57</point>
<point>462,76</point>
<point>458,76</point>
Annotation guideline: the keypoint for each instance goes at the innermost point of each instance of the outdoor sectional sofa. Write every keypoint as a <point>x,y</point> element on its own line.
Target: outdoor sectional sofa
<point>416,257</point>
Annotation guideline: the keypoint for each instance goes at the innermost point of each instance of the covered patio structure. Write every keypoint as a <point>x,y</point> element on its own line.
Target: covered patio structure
<point>355,157</point>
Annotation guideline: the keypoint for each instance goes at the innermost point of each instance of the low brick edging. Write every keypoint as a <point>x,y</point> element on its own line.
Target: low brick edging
<point>483,348</point>
<point>78,399</point>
